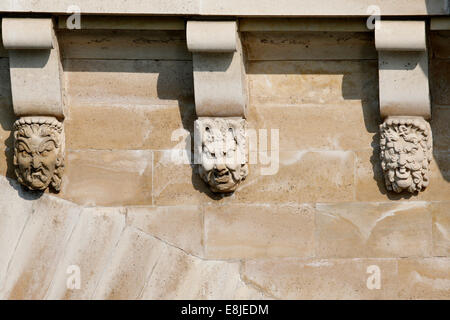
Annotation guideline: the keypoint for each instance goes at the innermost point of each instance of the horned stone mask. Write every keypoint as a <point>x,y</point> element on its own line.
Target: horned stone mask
<point>406,152</point>
<point>39,152</point>
<point>221,154</point>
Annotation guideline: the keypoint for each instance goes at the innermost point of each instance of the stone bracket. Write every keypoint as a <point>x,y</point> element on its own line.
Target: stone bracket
<point>405,136</point>
<point>403,68</point>
<point>36,73</point>
<point>219,75</point>
<point>220,103</point>
<point>35,66</point>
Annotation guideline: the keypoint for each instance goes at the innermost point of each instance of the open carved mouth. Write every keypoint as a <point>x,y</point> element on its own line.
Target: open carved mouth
<point>402,173</point>
<point>222,176</point>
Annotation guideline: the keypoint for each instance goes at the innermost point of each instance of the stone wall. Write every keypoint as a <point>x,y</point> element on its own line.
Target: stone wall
<point>140,225</point>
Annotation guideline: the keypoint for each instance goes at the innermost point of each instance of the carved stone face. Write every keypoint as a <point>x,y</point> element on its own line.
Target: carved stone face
<point>38,152</point>
<point>222,152</point>
<point>406,151</point>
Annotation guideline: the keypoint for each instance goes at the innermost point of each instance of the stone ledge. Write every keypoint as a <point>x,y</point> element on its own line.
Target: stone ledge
<point>234,7</point>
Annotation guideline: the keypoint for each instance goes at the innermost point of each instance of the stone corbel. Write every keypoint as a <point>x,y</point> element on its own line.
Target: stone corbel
<point>35,71</point>
<point>406,138</point>
<point>220,102</point>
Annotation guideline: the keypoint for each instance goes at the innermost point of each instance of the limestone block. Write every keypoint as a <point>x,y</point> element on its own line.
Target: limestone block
<point>159,127</point>
<point>176,181</point>
<point>108,178</point>
<point>440,128</point>
<point>339,135</point>
<point>181,276</point>
<point>300,176</point>
<point>321,279</point>
<point>15,210</point>
<point>40,247</point>
<point>299,83</point>
<point>89,248</point>
<point>441,228</point>
<point>123,44</point>
<point>27,33</point>
<point>308,45</point>
<point>122,279</point>
<point>127,83</point>
<point>424,278</point>
<point>181,226</point>
<point>236,231</point>
<point>382,230</point>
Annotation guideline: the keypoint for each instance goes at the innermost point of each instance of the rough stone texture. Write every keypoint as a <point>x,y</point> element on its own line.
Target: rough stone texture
<point>380,230</point>
<point>248,231</point>
<point>97,177</point>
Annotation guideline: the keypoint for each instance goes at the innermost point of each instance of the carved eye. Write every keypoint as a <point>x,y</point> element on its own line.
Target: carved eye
<point>207,129</point>
<point>23,153</point>
<point>44,153</point>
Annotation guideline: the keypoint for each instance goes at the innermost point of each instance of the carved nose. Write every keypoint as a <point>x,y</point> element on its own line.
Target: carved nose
<point>36,162</point>
<point>402,160</point>
<point>220,166</point>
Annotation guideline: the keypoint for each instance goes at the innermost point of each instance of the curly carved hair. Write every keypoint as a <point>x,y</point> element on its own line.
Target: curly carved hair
<point>26,127</point>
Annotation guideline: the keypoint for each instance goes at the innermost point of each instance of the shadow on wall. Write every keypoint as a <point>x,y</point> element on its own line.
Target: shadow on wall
<point>359,82</point>
<point>167,78</point>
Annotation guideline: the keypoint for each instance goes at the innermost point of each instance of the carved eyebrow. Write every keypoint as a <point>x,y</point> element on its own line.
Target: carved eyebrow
<point>45,144</point>
<point>23,143</point>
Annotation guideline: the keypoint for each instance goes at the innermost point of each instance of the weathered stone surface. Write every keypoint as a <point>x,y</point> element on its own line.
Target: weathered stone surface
<point>124,44</point>
<point>132,127</point>
<point>15,210</point>
<point>441,228</point>
<point>127,83</point>
<point>181,226</point>
<point>308,45</point>
<point>178,182</point>
<point>440,128</point>
<point>40,247</point>
<point>95,177</point>
<point>350,126</point>
<point>89,248</point>
<point>125,280</point>
<point>302,176</point>
<point>260,231</point>
<point>180,276</point>
<point>321,279</point>
<point>424,278</point>
<point>312,82</point>
<point>373,230</point>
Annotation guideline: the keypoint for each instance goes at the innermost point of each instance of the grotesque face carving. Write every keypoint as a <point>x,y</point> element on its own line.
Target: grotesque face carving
<point>406,151</point>
<point>39,152</point>
<point>221,153</point>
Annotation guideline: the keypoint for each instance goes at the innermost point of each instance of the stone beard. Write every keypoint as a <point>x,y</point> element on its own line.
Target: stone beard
<point>220,152</point>
<point>39,152</point>
<point>406,152</point>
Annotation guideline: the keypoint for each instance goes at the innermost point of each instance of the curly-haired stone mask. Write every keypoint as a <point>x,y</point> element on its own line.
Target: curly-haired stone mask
<point>406,152</point>
<point>39,152</point>
<point>221,154</point>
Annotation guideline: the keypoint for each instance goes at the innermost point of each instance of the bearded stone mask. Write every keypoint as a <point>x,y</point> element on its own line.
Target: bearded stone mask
<point>39,152</point>
<point>221,153</point>
<point>406,152</point>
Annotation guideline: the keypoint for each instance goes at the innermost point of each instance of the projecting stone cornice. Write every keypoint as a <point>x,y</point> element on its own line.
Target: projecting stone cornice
<point>234,7</point>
